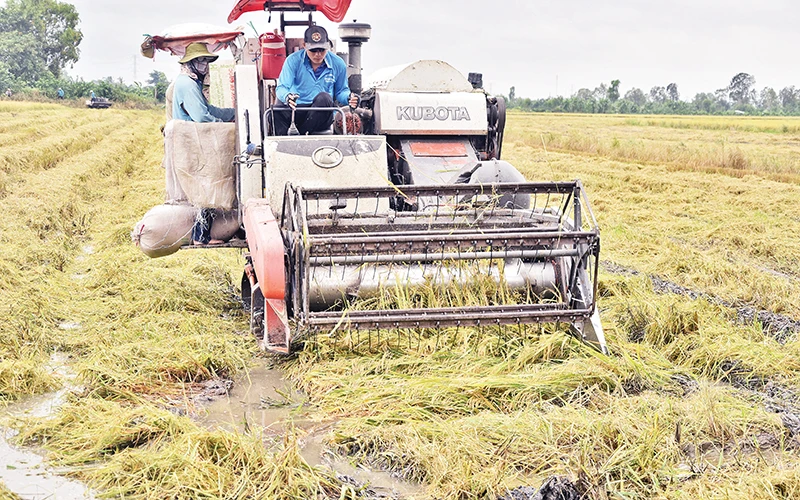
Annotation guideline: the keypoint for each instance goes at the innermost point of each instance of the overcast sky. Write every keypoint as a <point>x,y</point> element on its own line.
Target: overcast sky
<point>543,48</point>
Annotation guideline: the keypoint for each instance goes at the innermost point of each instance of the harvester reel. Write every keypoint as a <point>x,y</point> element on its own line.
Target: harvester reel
<point>337,255</point>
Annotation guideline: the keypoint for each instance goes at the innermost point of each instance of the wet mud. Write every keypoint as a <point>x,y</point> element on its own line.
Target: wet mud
<point>264,402</point>
<point>553,488</point>
<point>373,482</point>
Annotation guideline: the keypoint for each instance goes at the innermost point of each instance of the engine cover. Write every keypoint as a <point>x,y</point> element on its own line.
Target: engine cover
<point>454,113</point>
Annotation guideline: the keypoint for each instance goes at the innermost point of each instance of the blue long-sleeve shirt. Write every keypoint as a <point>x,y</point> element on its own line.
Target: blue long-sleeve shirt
<point>189,103</point>
<point>297,77</point>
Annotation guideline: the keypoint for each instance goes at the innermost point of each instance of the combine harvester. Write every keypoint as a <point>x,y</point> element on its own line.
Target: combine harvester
<point>417,198</point>
<point>99,103</point>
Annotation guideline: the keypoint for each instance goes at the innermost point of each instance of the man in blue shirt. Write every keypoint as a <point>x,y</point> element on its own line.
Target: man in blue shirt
<point>190,103</point>
<point>313,77</point>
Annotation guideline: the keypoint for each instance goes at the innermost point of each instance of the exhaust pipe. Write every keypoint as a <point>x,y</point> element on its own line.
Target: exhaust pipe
<point>355,34</point>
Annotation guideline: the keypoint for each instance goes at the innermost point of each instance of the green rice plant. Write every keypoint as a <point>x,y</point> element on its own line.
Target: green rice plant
<point>783,125</point>
<point>32,126</point>
<point>477,284</point>
<point>463,384</point>
<point>56,213</point>
<point>683,227</point>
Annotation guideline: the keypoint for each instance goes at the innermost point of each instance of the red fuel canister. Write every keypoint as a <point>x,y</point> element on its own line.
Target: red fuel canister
<point>273,55</point>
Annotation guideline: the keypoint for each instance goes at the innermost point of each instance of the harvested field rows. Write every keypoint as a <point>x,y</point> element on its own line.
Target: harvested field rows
<point>691,403</point>
<point>768,147</point>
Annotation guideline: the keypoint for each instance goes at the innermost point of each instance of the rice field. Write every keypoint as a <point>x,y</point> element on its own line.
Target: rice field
<point>700,298</point>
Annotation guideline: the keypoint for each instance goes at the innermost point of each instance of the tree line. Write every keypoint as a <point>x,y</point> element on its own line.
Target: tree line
<point>740,96</point>
<point>39,39</point>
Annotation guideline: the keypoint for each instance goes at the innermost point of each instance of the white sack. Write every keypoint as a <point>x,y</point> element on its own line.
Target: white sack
<point>200,157</point>
<point>224,225</point>
<point>166,228</point>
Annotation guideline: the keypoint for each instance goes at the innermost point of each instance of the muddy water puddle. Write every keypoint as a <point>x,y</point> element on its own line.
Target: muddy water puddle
<point>262,400</point>
<point>266,402</point>
<point>24,474</point>
<point>22,470</point>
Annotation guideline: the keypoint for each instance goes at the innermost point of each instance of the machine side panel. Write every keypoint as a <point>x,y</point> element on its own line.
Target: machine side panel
<point>456,113</point>
<point>265,242</point>
<point>250,181</point>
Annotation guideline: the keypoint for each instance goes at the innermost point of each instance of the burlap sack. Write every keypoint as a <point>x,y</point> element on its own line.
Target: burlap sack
<point>200,157</point>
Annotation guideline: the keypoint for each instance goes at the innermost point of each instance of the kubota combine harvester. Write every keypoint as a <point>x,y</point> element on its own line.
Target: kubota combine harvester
<point>419,197</point>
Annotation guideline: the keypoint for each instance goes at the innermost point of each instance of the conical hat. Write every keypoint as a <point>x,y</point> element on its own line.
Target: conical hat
<point>195,50</point>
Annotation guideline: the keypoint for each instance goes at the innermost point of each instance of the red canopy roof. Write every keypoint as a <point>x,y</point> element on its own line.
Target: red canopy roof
<point>177,38</point>
<point>335,10</point>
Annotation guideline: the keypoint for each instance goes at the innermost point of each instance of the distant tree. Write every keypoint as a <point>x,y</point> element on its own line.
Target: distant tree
<point>636,96</point>
<point>512,92</point>
<point>49,29</point>
<point>613,91</point>
<point>16,56</point>
<point>768,100</point>
<point>672,92</point>
<point>160,83</point>
<point>157,77</point>
<point>704,102</point>
<point>789,98</point>
<point>659,100</point>
<point>584,95</point>
<point>658,95</point>
<point>626,107</point>
<point>600,92</point>
<point>740,89</point>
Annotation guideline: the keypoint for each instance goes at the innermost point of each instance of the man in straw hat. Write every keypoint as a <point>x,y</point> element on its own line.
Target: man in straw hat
<point>190,103</point>
<point>313,77</point>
